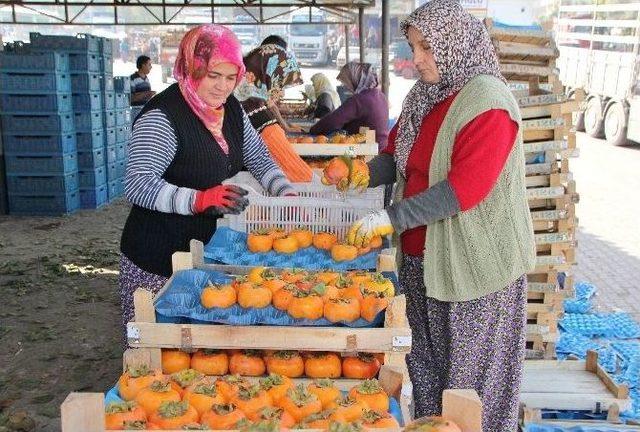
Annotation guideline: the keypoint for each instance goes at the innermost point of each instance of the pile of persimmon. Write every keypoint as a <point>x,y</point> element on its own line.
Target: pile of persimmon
<point>339,138</point>
<point>266,240</point>
<point>256,363</point>
<point>338,297</point>
<point>190,400</point>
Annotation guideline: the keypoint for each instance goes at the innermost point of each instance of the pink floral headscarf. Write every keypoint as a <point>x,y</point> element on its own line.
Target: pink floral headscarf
<point>201,48</point>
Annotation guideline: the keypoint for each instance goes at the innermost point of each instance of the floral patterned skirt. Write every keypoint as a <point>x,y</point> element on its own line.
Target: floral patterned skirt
<point>478,344</point>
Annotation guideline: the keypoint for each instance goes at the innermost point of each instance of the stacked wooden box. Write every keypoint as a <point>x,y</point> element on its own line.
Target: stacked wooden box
<point>527,59</point>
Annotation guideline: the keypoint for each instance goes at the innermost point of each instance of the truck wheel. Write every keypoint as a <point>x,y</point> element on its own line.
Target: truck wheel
<point>593,118</point>
<point>615,125</point>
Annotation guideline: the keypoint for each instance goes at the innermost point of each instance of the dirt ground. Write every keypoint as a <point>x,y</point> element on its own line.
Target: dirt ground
<point>59,312</point>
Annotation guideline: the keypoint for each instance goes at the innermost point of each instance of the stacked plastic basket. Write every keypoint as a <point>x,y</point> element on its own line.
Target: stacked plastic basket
<point>116,167</point>
<point>38,130</point>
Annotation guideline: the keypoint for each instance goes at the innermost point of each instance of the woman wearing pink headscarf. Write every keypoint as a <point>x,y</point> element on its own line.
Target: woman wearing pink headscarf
<point>185,142</point>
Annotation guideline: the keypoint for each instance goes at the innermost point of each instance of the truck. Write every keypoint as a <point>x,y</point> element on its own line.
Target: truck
<point>309,42</point>
<point>599,52</point>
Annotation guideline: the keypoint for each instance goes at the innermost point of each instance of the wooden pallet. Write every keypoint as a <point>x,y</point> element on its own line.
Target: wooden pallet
<point>543,322</point>
<point>540,347</point>
<point>570,385</point>
<point>541,38</point>
<point>547,280</point>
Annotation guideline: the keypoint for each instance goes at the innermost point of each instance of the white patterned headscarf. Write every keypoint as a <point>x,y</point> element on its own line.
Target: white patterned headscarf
<point>462,50</point>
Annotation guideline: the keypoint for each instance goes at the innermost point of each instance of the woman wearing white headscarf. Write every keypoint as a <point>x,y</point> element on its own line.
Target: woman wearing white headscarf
<point>327,99</point>
<point>461,211</point>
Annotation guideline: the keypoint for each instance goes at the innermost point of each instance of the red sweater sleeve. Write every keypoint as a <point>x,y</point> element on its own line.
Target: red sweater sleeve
<point>391,142</point>
<point>479,153</point>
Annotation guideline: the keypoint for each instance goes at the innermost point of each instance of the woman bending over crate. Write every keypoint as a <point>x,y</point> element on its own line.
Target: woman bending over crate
<point>185,143</point>
<point>461,213</point>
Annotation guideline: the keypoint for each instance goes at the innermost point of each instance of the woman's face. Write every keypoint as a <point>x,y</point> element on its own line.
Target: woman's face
<point>423,56</point>
<point>217,84</point>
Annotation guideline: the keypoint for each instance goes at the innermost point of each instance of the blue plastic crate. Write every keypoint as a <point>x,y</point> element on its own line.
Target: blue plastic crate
<point>27,104</point>
<point>43,144</point>
<point>121,152</point>
<point>122,100</point>
<point>106,46</point>
<point>122,84</point>
<point>112,154</point>
<point>121,117</point>
<point>121,167</point>
<point>109,119</point>
<point>58,164</point>
<point>88,121</point>
<point>79,43</point>
<point>109,101</point>
<point>38,124</point>
<point>112,171</point>
<point>83,63</point>
<point>85,82</point>
<point>34,82</point>
<point>88,160</point>
<point>106,66</point>
<point>90,140</point>
<point>110,137</point>
<point>107,83</point>
<point>95,197</point>
<point>39,185</point>
<point>87,101</point>
<point>44,205</point>
<point>92,178</point>
<point>29,61</point>
<point>116,189</point>
<point>123,134</point>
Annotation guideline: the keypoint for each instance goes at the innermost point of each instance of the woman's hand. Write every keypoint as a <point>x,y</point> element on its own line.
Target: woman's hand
<point>221,200</point>
<point>346,173</point>
<point>374,224</point>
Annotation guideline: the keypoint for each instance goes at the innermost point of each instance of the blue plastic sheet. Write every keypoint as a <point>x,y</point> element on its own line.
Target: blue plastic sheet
<point>609,325</point>
<point>581,303</point>
<point>182,300</point>
<point>228,246</point>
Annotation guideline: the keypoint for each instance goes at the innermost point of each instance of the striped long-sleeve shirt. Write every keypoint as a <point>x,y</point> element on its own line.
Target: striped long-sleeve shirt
<point>152,149</point>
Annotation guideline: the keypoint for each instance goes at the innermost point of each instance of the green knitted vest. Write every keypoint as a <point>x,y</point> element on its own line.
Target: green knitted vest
<point>484,249</point>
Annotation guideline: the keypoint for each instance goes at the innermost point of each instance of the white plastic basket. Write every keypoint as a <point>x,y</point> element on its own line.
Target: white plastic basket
<point>317,208</point>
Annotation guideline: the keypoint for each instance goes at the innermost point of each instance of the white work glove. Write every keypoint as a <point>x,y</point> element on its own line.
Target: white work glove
<point>374,224</point>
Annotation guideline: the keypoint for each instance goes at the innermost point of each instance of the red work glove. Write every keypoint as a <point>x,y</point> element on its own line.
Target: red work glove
<point>221,200</point>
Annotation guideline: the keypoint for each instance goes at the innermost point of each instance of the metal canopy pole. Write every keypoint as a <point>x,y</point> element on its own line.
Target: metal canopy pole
<point>347,38</point>
<point>386,40</point>
<point>361,33</point>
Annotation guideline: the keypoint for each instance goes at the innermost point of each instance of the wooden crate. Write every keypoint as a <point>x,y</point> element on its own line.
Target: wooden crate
<point>84,412</point>
<point>394,339</point>
<point>548,281</point>
<point>541,345</point>
<point>570,385</point>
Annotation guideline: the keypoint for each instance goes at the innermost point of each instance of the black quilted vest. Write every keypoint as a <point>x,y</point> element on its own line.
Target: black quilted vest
<point>151,237</point>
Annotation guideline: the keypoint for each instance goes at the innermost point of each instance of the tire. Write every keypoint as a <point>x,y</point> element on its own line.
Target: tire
<point>615,124</point>
<point>593,118</point>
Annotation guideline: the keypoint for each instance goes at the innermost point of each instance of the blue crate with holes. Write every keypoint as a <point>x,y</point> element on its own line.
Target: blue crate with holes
<point>121,167</point>
<point>121,152</point>
<point>106,46</point>
<point>110,137</point>
<point>107,83</point>
<point>28,104</point>
<point>122,100</point>
<point>38,124</point>
<point>87,121</point>
<point>85,82</point>
<point>25,61</point>
<point>91,101</point>
<point>116,189</point>
<point>109,101</point>
<point>44,204</point>
<point>93,198</point>
<point>106,66</point>
<point>93,177</point>
<point>38,185</point>
<point>111,154</point>
<point>112,171</point>
<point>39,144</point>
<point>122,84</point>
<point>92,140</point>
<point>88,160</point>
<point>34,82</point>
<point>110,119</point>
<point>85,62</point>
<point>123,134</point>
<point>52,164</point>
<point>81,42</point>
<point>123,117</point>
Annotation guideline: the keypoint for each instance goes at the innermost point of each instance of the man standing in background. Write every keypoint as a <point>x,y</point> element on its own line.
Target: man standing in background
<point>140,85</point>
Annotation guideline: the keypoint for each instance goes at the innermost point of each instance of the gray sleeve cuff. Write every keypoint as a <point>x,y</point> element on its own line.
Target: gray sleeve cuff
<point>382,170</point>
<point>434,204</point>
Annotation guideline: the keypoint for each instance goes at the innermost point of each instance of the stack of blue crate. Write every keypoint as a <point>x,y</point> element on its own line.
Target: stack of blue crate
<point>86,66</point>
<point>123,131</point>
<point>38,132</point>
